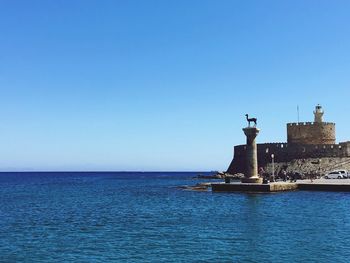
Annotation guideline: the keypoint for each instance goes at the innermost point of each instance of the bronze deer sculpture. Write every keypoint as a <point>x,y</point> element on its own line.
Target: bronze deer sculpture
<point>251,120</point>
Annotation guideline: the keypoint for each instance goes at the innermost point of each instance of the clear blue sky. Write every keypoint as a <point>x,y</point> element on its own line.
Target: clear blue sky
<point>163,85</point>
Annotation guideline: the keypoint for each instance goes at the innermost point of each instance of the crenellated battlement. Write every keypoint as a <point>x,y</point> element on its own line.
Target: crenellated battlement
<point>310,123</point>
<point>272,147</point>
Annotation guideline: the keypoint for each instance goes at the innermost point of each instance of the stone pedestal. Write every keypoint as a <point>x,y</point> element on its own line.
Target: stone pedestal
<point>251,171</point>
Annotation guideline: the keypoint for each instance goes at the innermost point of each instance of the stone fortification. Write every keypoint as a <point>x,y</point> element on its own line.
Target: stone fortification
<point>311,133</point>
<point>304,140</point>
<point>284,152</point>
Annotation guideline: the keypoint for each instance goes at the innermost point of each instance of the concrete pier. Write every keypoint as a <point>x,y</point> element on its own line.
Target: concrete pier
<point>253,187</point>
<point>330,185</point>
<point>251,171</point>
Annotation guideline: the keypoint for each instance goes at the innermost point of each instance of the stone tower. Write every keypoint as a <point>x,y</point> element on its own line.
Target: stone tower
<point>317,132</point>
<point>318,114</point>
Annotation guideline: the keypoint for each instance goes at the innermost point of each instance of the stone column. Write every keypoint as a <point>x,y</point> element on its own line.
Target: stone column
<point>251,171</point>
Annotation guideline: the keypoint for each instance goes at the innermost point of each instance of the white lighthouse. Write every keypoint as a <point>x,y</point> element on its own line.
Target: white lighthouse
<point>318,113</point>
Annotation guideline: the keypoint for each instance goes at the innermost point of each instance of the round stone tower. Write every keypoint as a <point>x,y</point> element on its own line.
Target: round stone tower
<point>317,132</point>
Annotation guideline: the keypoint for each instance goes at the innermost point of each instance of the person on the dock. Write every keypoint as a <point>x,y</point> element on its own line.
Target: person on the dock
<point>293,177</point>
<point>284,175</point>
<point>261,171</point>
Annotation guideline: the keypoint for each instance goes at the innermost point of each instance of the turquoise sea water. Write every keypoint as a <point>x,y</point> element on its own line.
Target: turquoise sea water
<point>143,217</point>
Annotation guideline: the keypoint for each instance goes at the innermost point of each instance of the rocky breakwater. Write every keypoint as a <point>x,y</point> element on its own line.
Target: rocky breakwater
<point>204,186</point>
<point>221,175</point>
<point>197,187</point>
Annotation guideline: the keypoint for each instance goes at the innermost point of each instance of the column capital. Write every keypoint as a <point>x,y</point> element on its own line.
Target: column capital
<point>251,131</point>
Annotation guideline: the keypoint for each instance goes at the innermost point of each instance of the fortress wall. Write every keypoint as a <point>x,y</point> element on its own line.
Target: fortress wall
<point>346,147</point>
<point>295,151</point>
<point>238,162</point>
<point>311,133</point>
<point>284,152</point>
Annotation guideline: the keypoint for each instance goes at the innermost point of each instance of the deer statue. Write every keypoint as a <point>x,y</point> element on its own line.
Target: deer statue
<point>251,120</point>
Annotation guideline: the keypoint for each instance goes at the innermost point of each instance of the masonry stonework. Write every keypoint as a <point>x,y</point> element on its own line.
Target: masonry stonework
<point>311,133</point>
